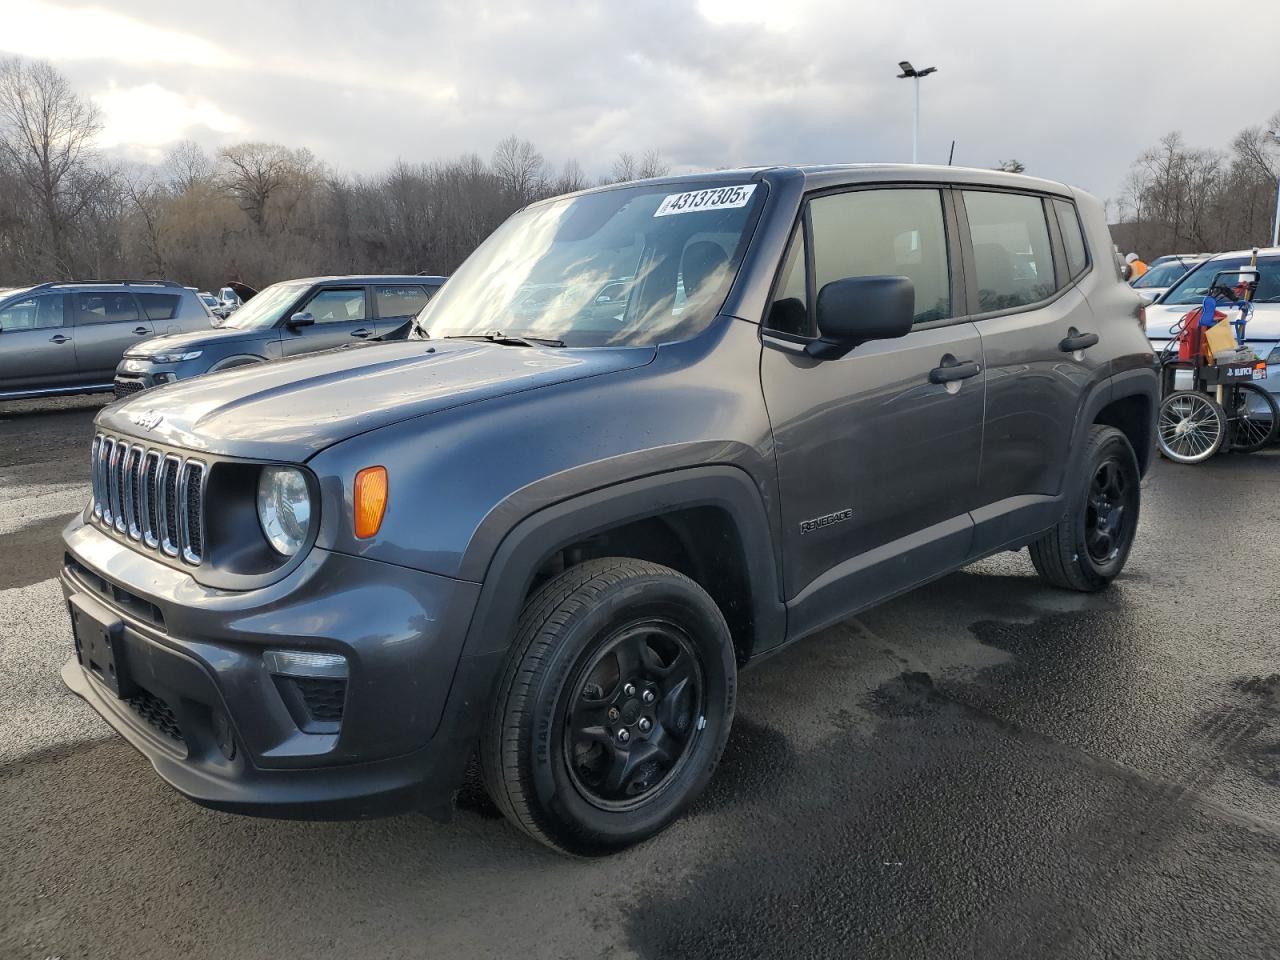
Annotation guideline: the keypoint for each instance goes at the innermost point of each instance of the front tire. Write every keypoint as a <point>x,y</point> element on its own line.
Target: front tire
<point>1089,546</point>
<point>613,707</point>
<point>1191,427</point>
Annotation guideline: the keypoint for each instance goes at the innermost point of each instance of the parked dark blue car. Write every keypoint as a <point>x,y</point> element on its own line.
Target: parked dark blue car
<point>284,320</point>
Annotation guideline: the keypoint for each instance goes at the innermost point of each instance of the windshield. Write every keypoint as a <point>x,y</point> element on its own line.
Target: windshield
<point>627,267</point>
<point>1194,286</point>
<point>1162,275</point>
<point>265,309</point>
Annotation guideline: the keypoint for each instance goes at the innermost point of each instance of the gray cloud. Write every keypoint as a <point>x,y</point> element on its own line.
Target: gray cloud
<point>1074,90</point>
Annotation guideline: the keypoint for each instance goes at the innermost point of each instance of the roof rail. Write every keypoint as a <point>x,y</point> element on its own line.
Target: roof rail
<point>106,283</point>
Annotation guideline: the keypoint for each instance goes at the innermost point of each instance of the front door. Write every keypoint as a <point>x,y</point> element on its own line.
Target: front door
<point>37,346</point>
<point>878,451</point>
<point>341,316</point>
<point>107,324</point>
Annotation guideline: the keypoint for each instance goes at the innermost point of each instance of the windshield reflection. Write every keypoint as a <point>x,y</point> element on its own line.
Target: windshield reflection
<point>602,269</point>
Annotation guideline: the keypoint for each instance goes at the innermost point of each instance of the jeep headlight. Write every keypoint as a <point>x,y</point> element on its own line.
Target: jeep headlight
<point>174,357</point>
<point>284,508</point>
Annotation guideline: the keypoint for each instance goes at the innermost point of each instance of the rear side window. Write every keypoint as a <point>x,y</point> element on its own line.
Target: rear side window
<point>1011,252</point>
<point>107,308</point>
<point>159,306</point>
<point>40,312</point>
<point>789,312</point>
<point>400,301</point>
<point>337,306</point>
<point>870,233</point>
<point>1072,237</point>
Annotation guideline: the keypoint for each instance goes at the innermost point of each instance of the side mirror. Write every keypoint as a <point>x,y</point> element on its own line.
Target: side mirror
<point>1234,278</point>
<point>857,309</point>
<point>300,320</point>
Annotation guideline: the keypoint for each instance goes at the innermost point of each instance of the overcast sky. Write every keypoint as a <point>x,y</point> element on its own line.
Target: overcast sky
<point>1075,89</point>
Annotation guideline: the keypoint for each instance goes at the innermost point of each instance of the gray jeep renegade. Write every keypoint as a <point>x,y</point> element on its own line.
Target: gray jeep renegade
<point>646,435</point>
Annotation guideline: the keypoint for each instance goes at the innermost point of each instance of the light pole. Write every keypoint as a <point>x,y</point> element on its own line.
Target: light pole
<point>908,71</point>
<point>1274,136</point>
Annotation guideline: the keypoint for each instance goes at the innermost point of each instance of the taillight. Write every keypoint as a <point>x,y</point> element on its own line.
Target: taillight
<point>1142,316</point>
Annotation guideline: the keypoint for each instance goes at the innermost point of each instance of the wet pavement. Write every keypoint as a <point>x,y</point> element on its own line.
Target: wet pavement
<point>983,768</point>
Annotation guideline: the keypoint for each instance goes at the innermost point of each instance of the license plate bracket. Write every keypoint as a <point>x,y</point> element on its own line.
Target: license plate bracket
<point>99,641</point>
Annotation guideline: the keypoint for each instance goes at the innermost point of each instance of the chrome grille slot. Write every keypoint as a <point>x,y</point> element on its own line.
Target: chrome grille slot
<point>133,493</point>
<point>149,499</point>
<point>149,496</point>
<point>118,452</point>
<point>95,478</point>
<point>192,510</point>
<point>108,499</point>
<point>169,471</point>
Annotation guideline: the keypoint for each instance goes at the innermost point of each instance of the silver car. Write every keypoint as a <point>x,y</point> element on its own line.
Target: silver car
<point>67,338</point>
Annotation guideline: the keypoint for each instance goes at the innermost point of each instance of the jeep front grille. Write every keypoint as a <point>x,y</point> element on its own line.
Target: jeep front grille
<point>149,496</point>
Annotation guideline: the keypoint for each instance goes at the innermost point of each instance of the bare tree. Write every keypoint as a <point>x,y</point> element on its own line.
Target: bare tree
<point>626,167</point>
<point>253,173</point>
<point>571,178</point>
<point>186,166</point>
<point>652,165</point>
<point>1011,166</point>
<point>520,167</point>
<point>46,134</point>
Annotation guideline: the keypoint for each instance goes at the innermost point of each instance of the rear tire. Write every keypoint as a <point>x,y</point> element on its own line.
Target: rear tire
<point>1254,417</point>
<point>1089,546</point>
<point>609,645</point>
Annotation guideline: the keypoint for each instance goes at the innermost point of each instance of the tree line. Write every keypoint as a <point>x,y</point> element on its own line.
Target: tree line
<point>253,212</point>
<point>1183,199</point>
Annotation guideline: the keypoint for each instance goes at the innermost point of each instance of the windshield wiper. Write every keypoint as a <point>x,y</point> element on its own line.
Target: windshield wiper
<point>497,336</point>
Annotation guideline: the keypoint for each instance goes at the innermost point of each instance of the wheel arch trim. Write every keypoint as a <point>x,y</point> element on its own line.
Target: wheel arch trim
<point>531,542</point>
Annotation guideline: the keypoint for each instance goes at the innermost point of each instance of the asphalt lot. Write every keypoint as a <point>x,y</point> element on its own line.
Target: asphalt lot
<point>985,768</point>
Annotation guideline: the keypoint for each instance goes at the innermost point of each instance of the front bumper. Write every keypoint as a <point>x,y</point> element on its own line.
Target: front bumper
<point>134,375</point>
<point>204,709</point>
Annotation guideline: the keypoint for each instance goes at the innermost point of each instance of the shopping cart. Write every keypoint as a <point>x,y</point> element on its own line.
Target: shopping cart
<point>1208,407</point>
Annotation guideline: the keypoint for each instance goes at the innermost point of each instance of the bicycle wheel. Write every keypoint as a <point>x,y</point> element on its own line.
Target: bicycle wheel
<point>1191,427</point>
<point>1254,417</point>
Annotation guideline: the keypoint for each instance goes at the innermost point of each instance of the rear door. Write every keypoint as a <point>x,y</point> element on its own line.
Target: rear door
<point>341,315</point>
<point>37,347</point>
<point>1037,329</point>
<point>106,324</point>
<point>397,304</point>
<point>877,453</point>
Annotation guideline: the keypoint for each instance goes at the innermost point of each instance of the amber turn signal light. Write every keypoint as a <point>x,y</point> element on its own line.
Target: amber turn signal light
<point>370,500</point>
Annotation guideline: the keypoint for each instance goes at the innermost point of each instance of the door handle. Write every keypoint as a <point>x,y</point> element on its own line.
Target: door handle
<point>140,331</point>
<point>953,370</point>
<point>58,338</point>
<point>1075,340</point>
<point>362,333</point>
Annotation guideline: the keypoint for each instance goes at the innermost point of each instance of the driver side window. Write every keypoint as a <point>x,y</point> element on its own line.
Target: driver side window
<point>41,312</point>
<point>337,306</point>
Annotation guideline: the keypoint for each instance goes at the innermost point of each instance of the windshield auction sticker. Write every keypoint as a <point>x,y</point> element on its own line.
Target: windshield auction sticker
<point>716,198</point>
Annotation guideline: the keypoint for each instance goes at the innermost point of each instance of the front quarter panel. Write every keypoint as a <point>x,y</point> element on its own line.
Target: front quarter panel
<point>461,479</point>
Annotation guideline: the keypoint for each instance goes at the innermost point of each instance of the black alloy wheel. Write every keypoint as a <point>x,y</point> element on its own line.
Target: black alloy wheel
<point>633,715</point>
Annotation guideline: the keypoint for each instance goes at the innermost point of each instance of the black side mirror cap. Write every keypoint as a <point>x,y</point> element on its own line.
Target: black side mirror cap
<point>857,309</point>
<point>300,320</point>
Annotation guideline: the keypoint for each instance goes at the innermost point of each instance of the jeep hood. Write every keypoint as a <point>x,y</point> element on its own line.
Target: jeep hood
<point>291,409</point>
<point>195,339</point>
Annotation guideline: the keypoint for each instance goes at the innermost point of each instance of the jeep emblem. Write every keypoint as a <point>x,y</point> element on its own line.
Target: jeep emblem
<point>148,420</point>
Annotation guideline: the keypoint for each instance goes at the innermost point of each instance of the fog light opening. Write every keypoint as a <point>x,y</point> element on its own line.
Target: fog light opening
<point>313,687</point>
